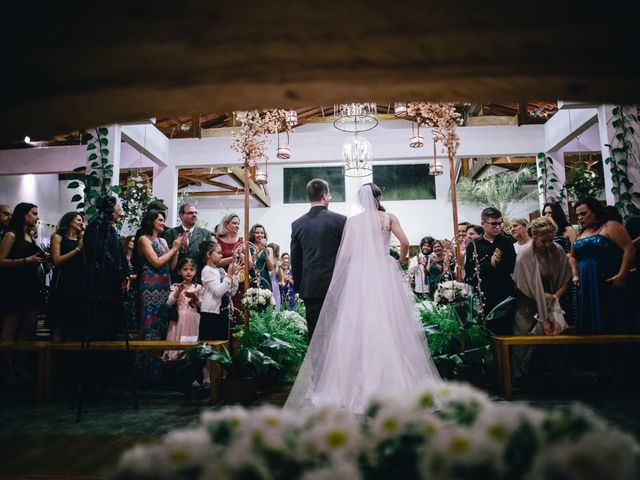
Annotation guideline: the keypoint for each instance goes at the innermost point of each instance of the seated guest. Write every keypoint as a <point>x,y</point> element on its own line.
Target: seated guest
<point>520,233</point>
<point>489,263</point>
<point>542,276</point>
<point>600,259</point>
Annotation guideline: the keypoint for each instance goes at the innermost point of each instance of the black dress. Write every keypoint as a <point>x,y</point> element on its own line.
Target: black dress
<point>21,283</point>
<point>68,293</point>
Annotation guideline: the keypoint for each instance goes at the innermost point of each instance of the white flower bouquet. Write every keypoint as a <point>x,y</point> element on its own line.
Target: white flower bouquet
<point>258,297</point>
<point>450,292</point>
<point>441,431</point>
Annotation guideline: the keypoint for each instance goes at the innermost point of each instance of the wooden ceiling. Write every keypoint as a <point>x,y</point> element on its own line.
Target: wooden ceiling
<point>67,69</point>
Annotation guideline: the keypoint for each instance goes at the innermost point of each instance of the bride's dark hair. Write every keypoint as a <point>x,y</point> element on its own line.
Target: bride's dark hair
<point>377,195</point>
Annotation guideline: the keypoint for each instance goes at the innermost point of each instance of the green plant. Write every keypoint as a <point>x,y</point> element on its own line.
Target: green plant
<point>502,190</point>
<point>623,154</point>
<point>549,185</point>
<point>582,183</point>
<point>97,182</point>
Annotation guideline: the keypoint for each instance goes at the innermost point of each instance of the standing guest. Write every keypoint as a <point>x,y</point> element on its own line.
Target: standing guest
<point>261,261</point>
<point>315,238</point>
<point>435,266</point>
<point>155,285</point>
<point>542,276</point>
<point>288,288</point>
<point>277,280</point>
<point>130,306</point>
<point>193,237</point>
<point>227,233</point>
<point>494,257</point>
<point>633,229</point>
<point>20,258</point>
<point>136,260</point>
<point>219,286</point>
<point>612,213</point>
<point>566,233</point>
<point>5,219</point>
<point>520,233</point>
<point>473,232</point>
<point>66,314</point>
<point>600,260</point>
<point>417,270</point>
<point>187,296</point>
<point>106,271</point>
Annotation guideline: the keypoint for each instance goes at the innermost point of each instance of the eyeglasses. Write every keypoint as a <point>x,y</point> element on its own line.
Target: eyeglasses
<point>495,224</point>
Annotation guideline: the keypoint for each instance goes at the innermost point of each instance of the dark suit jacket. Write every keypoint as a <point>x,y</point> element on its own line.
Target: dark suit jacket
<point>315,238</point>
<point>198,236</point>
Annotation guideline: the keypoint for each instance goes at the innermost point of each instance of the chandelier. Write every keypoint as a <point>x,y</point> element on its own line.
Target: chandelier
<point>355,117</point>
<point>435,167</point>
<point>356,157</point>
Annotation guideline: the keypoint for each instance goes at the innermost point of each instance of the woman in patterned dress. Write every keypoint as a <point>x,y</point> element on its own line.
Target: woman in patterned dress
<point>154,285</point>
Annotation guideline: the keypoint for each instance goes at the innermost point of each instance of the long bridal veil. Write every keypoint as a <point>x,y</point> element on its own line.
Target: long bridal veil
<point>368,337</point>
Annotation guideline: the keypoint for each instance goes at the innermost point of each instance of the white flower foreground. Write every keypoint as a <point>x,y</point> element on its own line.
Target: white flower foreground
<point>442,431</point>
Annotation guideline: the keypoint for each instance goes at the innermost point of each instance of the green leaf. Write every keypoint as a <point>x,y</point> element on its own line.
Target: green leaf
<point>554,180</point>
<point>92,210</point>
<point>73,185</point>
<point>116,189</point>
<point>550,187</point>
<point>95,165</point>
<point>86,137</point>
<point>76,198</point>
<point>500,310</point>
<point>104,151</point>
<point>93,156</point>
<point>626,196</point>
<point>540,155</point>
<point>103,131</point>
<point>104,141</point>
<point>93,194</point>
<point>80,206</point>
<point>80,169</point>
<point>91,146</point>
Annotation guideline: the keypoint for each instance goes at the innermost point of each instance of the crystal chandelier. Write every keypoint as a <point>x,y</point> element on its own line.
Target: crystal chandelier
<point>355,117</point>
<point>356,157</point>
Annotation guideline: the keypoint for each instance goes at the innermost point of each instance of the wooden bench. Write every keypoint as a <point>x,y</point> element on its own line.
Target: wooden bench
<point>46,358</point>
<point>501,346</point>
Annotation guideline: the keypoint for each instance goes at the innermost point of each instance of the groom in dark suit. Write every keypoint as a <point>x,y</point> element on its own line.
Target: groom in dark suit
<point>194,236</point>
<point>315,238</point>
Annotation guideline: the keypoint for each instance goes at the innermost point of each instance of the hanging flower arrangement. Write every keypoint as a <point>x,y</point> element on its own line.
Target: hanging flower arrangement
<point>442,118</point>
<point>251,139</point>
<point>135,197</point>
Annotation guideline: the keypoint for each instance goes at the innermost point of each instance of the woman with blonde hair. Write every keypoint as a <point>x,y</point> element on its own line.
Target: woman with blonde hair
<point>519,231</point>
<point>542,276</point>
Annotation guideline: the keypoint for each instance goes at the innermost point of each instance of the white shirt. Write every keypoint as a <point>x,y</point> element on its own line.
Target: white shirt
<point>214,289</point>
<point>415,268</point>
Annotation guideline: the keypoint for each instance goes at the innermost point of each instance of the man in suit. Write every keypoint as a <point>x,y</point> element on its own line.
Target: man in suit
<point>315,238</point>
<point>194,236</point>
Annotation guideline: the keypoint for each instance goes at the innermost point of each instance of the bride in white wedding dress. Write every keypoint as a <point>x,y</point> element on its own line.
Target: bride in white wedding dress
<point>369,338</point>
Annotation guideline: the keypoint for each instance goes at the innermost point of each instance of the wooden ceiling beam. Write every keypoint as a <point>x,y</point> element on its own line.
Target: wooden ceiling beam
<point>237,174</point>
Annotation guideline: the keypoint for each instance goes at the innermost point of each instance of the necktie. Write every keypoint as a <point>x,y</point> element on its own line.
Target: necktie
<point>185,244</point>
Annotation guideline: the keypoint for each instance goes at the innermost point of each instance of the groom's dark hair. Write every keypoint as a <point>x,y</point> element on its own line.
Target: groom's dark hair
<point>316,188</point>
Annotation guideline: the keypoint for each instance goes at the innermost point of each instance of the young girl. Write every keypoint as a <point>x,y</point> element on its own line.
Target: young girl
<point>188,296</point>
<point>214,316</point>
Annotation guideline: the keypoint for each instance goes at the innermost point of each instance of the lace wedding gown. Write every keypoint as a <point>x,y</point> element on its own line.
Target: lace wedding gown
<point>369,338</point>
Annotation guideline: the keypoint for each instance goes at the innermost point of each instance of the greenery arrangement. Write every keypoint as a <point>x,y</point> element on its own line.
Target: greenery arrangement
<point>97,182</point>
<point>548,183</point>
<point>439,431</point>
<point>502,190</point>
<point>582,183</point>
<point>623,155</point>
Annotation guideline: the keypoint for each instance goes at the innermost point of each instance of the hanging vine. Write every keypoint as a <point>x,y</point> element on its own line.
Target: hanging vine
<point>96,183</point>
<point>549,185</point>
<point>624,153</point>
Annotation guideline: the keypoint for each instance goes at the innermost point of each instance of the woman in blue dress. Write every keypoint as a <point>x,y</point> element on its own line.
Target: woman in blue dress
<point>600,259</point>
<point>261,262</point>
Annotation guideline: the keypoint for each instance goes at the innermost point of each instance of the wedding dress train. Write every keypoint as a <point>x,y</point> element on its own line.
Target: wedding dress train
<point>369,338</point>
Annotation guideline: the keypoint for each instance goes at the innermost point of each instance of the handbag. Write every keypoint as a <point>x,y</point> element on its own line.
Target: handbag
<point>168,312</point>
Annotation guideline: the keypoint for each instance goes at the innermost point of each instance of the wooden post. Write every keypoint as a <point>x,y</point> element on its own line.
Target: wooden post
<point>246,239</point>
<point>454,210</point>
